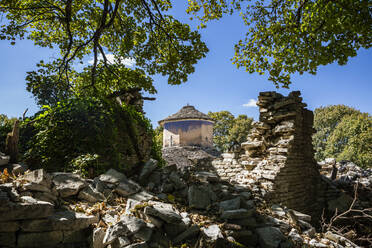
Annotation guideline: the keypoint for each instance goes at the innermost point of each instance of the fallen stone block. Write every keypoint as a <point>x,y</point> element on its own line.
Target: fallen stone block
<point>64,220</point>
<point>237,213</point>
<point>269,237</point>
<point>232,204</point>
<point>68,184</point>
<point>112,176</point>
<point>31,209</point>
<point>199,196</point>
<point>90,194</point>
<point>39,176</point>
<point>127,188</point>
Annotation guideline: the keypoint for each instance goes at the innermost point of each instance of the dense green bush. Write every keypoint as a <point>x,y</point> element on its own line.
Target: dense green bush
<point>82,132</point>
<point>344,133</point>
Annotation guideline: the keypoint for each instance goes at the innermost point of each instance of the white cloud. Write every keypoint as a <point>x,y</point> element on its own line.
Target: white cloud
<point>250,103</point>
<point>111,59</point>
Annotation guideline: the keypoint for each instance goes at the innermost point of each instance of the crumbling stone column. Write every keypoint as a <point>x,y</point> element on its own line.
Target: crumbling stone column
<point>280,155</point>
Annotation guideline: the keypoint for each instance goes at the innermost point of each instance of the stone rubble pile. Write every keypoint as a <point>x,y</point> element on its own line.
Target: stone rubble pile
<point>64,210</point>
<point>189,156</point>
<point>346,172</point>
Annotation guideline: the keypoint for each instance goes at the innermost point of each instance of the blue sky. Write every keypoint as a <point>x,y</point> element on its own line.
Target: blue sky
<point>215,85</point>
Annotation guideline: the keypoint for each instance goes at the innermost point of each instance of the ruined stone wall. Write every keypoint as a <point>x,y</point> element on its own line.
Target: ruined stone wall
<point>228,167</point>
<point>280,153</point>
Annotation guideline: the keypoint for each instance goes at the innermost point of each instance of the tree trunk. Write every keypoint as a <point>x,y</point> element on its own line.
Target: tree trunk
<point>11,145</point>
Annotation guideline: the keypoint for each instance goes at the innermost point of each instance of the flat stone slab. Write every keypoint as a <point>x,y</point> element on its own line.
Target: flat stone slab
<point>237,214</point>
<point>61,221</point>
<point>127,187</point>
<point>164,212</point>
<point>68,184</point>
<point>29,209</point>
<point>39,176</point>
<point>112,176</point>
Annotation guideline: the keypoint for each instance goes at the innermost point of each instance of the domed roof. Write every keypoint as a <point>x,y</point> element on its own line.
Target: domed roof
<point>186,112</point>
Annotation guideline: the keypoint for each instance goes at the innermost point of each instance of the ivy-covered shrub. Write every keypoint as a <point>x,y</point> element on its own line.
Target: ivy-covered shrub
<point>86,134</point>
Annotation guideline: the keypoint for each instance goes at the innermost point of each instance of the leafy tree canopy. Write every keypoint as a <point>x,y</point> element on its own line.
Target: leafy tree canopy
<point>352,140</point>
<point>325,121</point>
<point>125,29</point>
<point>229,131</point>
<point>344,133</point>
<point>284,37</point>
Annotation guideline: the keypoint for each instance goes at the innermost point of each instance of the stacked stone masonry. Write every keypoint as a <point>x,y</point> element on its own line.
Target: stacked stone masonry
<point>278,155</point>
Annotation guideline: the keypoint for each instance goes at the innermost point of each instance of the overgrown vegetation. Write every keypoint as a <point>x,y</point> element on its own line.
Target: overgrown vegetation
<point>229,131</point>
<point>81,126</point>
<point>343,133</point>
<point>85,132</point>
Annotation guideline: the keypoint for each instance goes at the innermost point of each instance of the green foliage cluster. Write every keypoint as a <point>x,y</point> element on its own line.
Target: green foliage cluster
<point>81,132</point>
<point>344,133</point>
<point>228,131</point>
<point>293,36</point>
<point>110,32</point>
<point>159,135</point>
<point>6,126</point>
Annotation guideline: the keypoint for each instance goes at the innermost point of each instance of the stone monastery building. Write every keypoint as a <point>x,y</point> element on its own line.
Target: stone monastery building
<point>187,127</point>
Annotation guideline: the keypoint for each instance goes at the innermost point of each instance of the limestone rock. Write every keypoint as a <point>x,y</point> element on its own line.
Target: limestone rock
<point>61,221</point>
<point>237,213</point>
<point>232,204</point>
<point>213,232</point>
<point>127,187</point>
<point>142,196</point>
<point>164,212</point>
<point>133,224</point>
<point>38,177</point>
<point>113,232</point>
<point>199,197</point>
<point>269,237</point>
<point>112,176</point>
<point>176,180</point>
<point>147,169</point>
<point>204,176</point>
<point>29,209</point>
<point>98,235</point>
<point>68,184</point>
<point>90,194</point>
